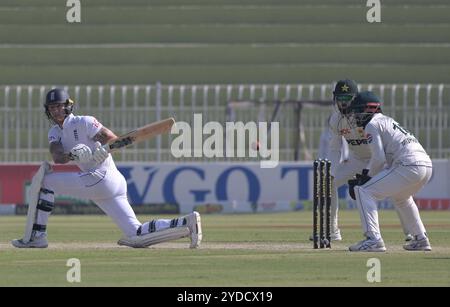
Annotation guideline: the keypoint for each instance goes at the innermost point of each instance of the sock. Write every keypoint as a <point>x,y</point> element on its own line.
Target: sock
<point>373,236</point>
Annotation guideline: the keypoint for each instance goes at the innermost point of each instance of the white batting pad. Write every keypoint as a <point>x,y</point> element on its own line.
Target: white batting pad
<point>156,237</point>
<point>33,196</point>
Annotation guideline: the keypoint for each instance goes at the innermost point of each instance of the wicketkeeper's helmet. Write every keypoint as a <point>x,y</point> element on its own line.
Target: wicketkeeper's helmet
<point>344,93</point>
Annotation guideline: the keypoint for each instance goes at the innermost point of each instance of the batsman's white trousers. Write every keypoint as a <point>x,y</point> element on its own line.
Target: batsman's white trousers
<point>107,188</point>
<point>399,183</point>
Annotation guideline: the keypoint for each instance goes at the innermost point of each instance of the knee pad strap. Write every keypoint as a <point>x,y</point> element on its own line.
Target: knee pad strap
<point>37,227</point>
<point>45,205</point>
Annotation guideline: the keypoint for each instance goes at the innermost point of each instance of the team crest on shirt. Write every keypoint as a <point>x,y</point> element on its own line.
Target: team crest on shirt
<point>96,124</point>
<point>75,134</point>
<point>344,131</point>
<point>361,132</point>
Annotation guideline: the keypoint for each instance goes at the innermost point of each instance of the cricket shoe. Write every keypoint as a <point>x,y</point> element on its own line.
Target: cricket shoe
<point>418,245</point>
<point>193,222</point>
<point>35,242</point>
<point>409,237</point>
<point>335,236</point>
<point>368,245</point>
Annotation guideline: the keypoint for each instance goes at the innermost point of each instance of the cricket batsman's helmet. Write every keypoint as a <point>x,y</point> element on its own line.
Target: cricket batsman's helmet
<point>363,108</point>
<point>55,96</point>
<point>344,93</point>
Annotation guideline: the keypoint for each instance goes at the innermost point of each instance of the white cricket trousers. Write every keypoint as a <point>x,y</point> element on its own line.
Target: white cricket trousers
<point>399,183</point>
<point>344,172</point>
<point>107,188</point>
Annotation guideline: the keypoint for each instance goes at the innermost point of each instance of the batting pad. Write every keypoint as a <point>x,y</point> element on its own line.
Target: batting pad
<point>33,196</point>
<point>156,237</point>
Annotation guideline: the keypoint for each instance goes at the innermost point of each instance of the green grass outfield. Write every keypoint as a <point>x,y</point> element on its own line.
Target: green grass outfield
<point>238,250</point>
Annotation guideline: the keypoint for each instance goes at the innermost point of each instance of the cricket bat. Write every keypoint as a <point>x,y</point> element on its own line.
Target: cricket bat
<point>140,134</point>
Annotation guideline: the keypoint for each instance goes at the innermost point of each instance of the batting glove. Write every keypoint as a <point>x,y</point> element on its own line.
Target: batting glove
<point>81,153</point>
<point>100,153</point>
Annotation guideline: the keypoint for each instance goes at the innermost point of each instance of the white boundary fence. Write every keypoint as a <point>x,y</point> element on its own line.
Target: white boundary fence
<point>423,108</point>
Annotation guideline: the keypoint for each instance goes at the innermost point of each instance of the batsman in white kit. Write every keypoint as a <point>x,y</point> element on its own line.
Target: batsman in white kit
<point>398,168</point>
<point>83,140</point>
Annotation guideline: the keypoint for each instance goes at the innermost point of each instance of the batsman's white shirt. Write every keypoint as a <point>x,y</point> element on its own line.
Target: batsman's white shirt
<point>101,183</point>
<point>80,130</point>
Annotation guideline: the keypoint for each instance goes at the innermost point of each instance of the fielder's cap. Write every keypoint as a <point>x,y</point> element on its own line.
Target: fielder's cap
<point>56,95</point>
<point>346,87</point>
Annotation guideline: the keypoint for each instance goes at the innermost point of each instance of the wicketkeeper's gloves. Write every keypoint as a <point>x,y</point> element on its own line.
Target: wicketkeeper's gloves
<point>359,179</point>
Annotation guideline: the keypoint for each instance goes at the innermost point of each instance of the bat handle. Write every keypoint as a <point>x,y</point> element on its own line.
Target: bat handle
<point>107,148</point>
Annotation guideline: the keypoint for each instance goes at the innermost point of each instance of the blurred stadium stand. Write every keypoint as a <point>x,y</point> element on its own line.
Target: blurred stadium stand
<point>224,41</point>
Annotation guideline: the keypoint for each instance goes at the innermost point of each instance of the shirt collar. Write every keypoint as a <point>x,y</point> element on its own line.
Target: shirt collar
<point>67,120</point>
